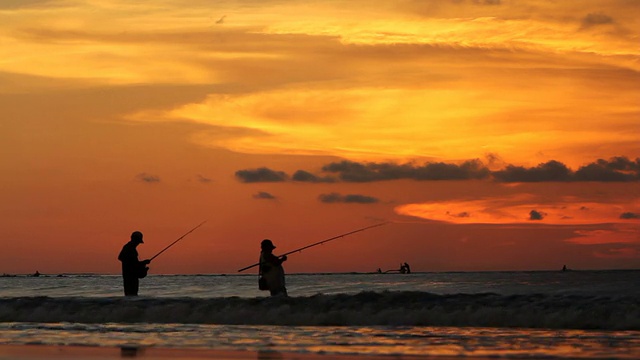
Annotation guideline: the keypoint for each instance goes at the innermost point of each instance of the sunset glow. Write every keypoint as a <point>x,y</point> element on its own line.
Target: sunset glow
<point>298,121</point>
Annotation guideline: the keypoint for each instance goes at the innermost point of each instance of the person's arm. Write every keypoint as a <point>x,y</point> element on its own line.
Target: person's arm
<point>274,260</point>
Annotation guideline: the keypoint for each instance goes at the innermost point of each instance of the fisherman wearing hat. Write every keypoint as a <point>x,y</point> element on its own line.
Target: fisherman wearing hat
<point>271,270</point>
<point>132,268</point>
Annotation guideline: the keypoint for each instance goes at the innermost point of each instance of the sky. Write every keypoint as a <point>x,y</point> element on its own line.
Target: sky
<point>487,135</point>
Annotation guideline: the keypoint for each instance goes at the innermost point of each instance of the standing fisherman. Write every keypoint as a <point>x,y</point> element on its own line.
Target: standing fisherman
<point>132,268</point>
<point>271,268</point>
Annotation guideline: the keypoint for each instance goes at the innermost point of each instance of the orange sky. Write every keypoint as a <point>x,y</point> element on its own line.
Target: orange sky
<point>493,134</point>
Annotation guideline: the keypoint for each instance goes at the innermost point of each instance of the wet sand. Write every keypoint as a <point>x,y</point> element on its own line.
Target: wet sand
<point>42,352</point>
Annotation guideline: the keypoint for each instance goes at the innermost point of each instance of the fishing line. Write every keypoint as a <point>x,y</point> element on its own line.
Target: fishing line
<point>180,238</point>
<point>321,242</point>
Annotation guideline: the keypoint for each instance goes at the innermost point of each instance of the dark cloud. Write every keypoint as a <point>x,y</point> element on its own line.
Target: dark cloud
<point>471,169</point>
<point>549,171</point>
<point>148,178</point>
<point>365,172</point>
<point>616,169</point>
<point>463,214</point>
<point>350,198</point>
<point>356,172</point>
<point>621,163</point>
<point>494,159</point>
<point>536,215</point>
<point>360,199</point>
<point>262,174</point>
<point>596,19</point>
<point>629,215</point>
<point>263,195</point>
<point>595,172</point>
<point>330,198</point>
<point>305,176</point>
<point>203,179</point>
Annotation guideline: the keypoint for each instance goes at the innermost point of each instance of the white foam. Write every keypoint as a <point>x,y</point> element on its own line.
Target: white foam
<point>362,309</point>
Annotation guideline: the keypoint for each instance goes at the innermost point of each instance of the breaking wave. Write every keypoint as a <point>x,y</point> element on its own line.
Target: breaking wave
<point>405,308</point>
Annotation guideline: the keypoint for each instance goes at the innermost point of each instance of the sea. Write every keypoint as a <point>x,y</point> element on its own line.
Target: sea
<point>510,314</point>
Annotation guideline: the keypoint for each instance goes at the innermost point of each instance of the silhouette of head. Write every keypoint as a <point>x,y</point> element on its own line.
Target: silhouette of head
<point>266,244</point>
<point>136,236</point>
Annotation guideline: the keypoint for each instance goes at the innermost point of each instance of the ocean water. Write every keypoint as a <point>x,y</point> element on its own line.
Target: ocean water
<point>552,315</point>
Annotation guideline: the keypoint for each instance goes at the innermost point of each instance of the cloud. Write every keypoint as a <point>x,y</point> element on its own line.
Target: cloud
<point>351,198</point>
<point>596,19</point>
<point>263,195</point>
<point>463,214</point>
<point>514,210</point>
<point>203,179</point>
<point>618,234</point>
<point>262,174</point>
<point>549,171</point>
<point>360,199</point>
<point>536,215</point>
<point>148,178</point>
<point>487,2</point>
<point>17,4</point>
<point>630,215</point>
<point>276,51</point>
<point>617,169</point>
<point>305,176</point>
<point>351,171</point>
<point>494,160</point>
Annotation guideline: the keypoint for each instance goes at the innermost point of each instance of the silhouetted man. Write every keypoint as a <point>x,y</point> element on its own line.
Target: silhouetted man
<point>407,269</point>
<point>271,268</point>
<point>132,268</point>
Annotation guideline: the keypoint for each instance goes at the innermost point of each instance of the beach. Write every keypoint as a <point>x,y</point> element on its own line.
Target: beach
<point>38,352</point>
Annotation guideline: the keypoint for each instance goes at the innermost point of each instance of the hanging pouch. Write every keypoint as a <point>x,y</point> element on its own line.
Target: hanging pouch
<point>262,283</point>
<point>142,271</point>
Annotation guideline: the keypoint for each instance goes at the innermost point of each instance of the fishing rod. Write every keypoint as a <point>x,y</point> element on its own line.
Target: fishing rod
<point>319,243</point>
<point>180,238</point>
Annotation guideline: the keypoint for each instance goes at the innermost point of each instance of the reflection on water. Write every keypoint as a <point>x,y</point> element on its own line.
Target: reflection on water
<point>275,342</point>
<point>131,351</point>
<point>269,355</point>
